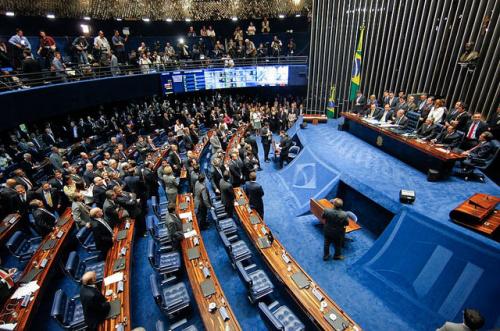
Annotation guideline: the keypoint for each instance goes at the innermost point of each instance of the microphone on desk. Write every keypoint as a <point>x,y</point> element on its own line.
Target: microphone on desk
<point>475,204</point>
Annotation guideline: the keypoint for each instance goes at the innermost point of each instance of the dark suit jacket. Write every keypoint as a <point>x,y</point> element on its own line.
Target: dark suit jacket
<point>402,122</point>
<point>449,140</point>
<point>255,193</point>
<point>110,210</point>
<point>103,238</point>
<point>481,127</point>
<point>95,306</point>
<point>358,106</point>
<point>335,222</point>
<point>88,177</point>
<point>44,222</point>
<point>285,145</point>
<point>483,152</point>
<point>252,142</point>
<point>236,173</point>
<point>426,131</point>
<point>99,194</point>
<point>56,198</point>
<point>226,194</point>
<point>388,117</point>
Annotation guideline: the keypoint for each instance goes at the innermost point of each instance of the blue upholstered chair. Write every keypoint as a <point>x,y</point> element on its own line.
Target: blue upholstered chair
<point>226,224</point>
<point>158,230</point>
<point>86,239</point>
<point>163,261</point>
<point>21,246</point>
<point>280,317</point>
<point>172,299</point>
<point>68,312</point>
<point>76,268</point>
<point>256,280</point>
<point>177,326</point>
<point>237,249</point>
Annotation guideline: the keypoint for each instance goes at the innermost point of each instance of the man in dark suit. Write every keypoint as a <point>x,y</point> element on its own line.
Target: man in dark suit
<point>482,152</point>
<point>50,197</point>
<point>202,201</point>
<point>48,137</point>
<point>425,108</point>
<point>449,138</point>
<point>334,229</point>
<point>111,209</point>
<point>236,170</point>
<point>282,119</point>
<point>266,137</point>
<point>23,180</point>
<point>95,306</point>
<point>44,220</point>
<point>400,119</point>
<point>252,142</point>
<point>103,233</point>
<point>401,104</point>
<point>89,174</point>
<point>99,191</point>
<point>393,101</point>
<point>359,103</point>
<point>458,117</point>
<point>426,130</point>
<point>475,127</point>
<point>8,196</point>
<point>227,193</point>
<point>386,115</point>
<point>373,111</point>
<point>20,203</point>
<point>255,193</point>
<point>150,180</point>
<point>174,160</point>
<point>285,145</point>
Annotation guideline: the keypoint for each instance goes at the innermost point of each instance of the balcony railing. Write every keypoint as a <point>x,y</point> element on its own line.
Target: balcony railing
<point>13,81</point>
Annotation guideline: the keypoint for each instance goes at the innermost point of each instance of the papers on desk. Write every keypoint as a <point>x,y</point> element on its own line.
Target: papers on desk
<point>371,121</point>
<point>114,278</point>
<point>442,150</point>
<point>8,326</point>
<point>190,234</point>
<point>187,215</point>
<point>25,290</point>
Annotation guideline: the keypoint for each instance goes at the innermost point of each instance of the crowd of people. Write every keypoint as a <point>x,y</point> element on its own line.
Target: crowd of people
<point>118,57</point>
<point>458,129</point>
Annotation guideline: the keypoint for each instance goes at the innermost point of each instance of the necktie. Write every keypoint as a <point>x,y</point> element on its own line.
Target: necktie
<point>470,135</point>
<point>48,197</point>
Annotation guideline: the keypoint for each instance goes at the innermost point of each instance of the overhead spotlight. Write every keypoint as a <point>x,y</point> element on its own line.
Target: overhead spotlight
<point>85,28</point>
<point>87,18</point>
<point>118,19</point>
<point>297,15</point>
<point>234,18</point>
<point>169,20</point>
<point>51,16</point>
<point>9,13</point>
<point>188,20</point>
<point>281,16</point>
<point>181,40</point>
<point>146,19</point>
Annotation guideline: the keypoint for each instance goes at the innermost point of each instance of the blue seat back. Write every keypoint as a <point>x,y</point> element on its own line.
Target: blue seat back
<point>151,253</point>
<point>155,289</point>
<point>59,307</point>
<point>16,242</point>
<point>243,273</point>
<point>82,235</point>
<point>272,322</point>
<point>72,264</point>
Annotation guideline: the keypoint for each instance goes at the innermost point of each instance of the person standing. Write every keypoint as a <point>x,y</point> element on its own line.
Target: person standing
<point>285,145</point>
<point>266,137</point>
<point>201,201</point>
<point>334,230</point>
<point>103,233</point>
<point>95,306</point>
<point>255,193</point>
<point>227,193</point>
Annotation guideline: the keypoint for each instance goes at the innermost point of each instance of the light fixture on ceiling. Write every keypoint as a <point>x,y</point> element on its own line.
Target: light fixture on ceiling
<point>87,18</point>
<point>118,19</point>
<point>188,20</point>
<point>297,15</point>
<point>281,16</point>
<point>51,16</point>
<point>234,18</point>
<point>169,20</point>
<point>85,28</point>
<point>146,19</point>
<point>181,40</point>
<point>10,13</point>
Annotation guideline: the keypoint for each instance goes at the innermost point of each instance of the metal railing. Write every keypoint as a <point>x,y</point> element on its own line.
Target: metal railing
<point>75,72</point>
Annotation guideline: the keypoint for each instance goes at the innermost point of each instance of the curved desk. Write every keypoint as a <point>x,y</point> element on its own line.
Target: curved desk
<point>8,226</point>
<point>318,206</point>
<point>204,282</point>
<point>49,250</point>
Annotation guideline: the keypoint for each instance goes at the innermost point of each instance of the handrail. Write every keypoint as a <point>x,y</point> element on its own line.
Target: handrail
<point>76,72</point>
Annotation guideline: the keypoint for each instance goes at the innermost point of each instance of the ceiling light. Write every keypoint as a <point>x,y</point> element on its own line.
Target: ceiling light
<point>118,19</point>
<point>281,16</point>
<point>234,18</point>
<point>181,40</point>
<point>87,18</point>
<point>146,19</point>
<point>51,16</point>
<point>169,20</point>
<point>85,28</point>
<point>188,20</point>
<point>297,15</point>
<point>9,13</point>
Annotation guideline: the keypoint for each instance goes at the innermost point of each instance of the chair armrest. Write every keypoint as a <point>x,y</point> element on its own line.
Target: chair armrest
<point>178,324</point>
<point>35,240</point>
<point>168,280</point>
<point>165,249</point>
<point>269,315</point>
<point>243,273</point>
<point>273,304</point>
<point>249,267</point>
<point>233,238</point>
<point>92,258</point>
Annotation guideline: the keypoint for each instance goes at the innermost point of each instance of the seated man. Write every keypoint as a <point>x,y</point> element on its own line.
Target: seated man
<point>472,321</point>
<point>373,111</point>
<point>95,306</point>
<point>400,119</point>
<point>426,131</point>
<point>479,154</point>
<point>386,115</point>
<point>449,138</point>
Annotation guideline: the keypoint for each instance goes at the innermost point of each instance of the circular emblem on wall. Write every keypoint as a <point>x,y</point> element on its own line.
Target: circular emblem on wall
<point>380,141</point>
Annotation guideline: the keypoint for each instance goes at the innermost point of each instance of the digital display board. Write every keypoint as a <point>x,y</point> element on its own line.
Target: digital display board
<point>222,78</point>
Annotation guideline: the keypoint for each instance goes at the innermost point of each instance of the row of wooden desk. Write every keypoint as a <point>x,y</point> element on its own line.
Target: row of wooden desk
<point>419,154</point>
<point>38,271</point>
<point>312,299</point>
<point>214,308</point>
<point>316,304</point>
<point>8,226</point>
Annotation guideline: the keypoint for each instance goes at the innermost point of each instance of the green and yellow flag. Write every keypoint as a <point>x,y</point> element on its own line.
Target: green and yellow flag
<point>330,108</point>
<point>356,70</point>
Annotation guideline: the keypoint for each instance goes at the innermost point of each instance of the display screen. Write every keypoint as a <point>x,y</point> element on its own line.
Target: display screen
<point>222,78</point>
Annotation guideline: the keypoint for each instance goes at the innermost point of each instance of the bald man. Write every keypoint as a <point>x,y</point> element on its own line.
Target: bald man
<point>334,230</point>
<point>103,233</point>
<point>95,306</point>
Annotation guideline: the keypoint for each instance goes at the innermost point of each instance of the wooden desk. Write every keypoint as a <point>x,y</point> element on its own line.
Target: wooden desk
<point>272,255</point>
<point>235,140</point>
<point>318,206</point>
<point>194,268</point>
<point>421,155</point>
<point>158,156</point>
<point>12,311</point>
<point>200,146</point>
<point>479,214</point>
<point>315,119</point>
<point>9,225</point>
<point>114,254</point>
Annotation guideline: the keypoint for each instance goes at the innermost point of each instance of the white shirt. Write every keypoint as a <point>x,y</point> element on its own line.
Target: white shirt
<point>436,114</point>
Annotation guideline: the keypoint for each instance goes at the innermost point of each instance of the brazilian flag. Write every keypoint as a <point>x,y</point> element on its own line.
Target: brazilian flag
<point>356,70</point>
<point>330,108</point>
